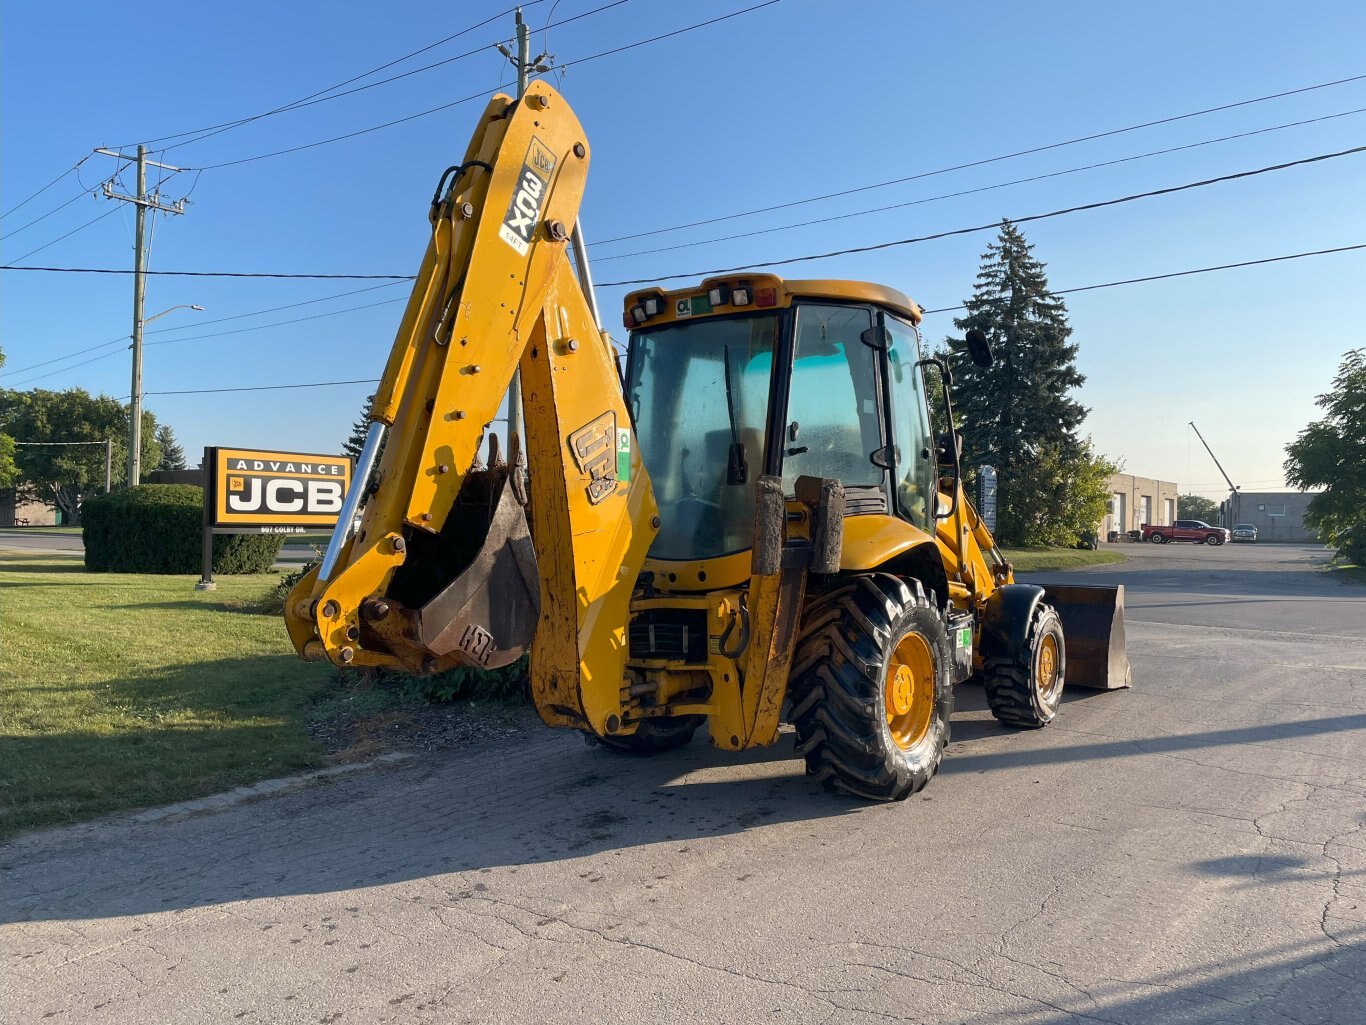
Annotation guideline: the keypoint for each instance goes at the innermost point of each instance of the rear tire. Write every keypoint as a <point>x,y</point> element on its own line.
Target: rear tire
<point>871,688</point>
<point>1026,690</point>
<point>653,736</point>
<point>1158,539</point>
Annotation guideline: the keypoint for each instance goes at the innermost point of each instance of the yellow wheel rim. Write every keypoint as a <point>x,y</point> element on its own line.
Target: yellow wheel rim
<point>909,690</point>
<point>1046,676</point>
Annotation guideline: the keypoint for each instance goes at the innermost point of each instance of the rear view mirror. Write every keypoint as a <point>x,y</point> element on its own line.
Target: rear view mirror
<point>979,349</point>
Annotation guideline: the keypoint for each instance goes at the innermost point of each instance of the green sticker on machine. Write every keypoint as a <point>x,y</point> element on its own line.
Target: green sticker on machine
<point>965,637</point>
<point>623,454</point>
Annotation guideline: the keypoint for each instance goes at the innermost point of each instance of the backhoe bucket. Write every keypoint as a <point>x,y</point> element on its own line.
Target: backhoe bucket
<point>1093,627</point>
<point>486,615</point>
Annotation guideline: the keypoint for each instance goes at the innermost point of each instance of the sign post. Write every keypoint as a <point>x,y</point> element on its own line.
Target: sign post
<point>250,491</point>
<point>986,496</point>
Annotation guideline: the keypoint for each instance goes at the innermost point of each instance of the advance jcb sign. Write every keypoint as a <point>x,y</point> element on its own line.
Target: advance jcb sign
<point>277,492</point>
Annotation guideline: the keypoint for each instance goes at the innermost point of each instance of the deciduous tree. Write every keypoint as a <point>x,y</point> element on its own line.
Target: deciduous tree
<point>1197,507</point>
<point>1331,454</point>
<point>61,475</point>
<point>9,470</point>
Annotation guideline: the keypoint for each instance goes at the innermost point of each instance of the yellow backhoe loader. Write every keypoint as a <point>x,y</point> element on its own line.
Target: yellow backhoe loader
<point>756,524</point>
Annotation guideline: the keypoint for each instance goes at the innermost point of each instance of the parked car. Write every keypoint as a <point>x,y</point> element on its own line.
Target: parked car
<point>1089,540</point>
<point>1197,531</point>
<point>1245,532</point>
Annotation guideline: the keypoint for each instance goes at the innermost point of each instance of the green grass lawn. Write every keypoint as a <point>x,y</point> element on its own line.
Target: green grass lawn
<point>45,530</point>
<point>1050,560</point>
<point>121,691</point>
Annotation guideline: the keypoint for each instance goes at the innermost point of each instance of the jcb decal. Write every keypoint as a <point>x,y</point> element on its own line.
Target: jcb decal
<point>524,210</point>
<point>595,453</point>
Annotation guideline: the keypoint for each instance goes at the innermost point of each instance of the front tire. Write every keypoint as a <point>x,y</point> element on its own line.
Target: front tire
<point>871,688</point>
<point>1025,690</point>
<point>1213,540</point>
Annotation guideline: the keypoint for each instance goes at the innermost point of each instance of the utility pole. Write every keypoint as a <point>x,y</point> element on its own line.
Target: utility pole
<point>142,203</point>
<point>524,66</point>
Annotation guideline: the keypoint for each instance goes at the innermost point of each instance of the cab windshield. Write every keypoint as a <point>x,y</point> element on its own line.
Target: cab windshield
<point>697,389</point>
<point>699,392</point>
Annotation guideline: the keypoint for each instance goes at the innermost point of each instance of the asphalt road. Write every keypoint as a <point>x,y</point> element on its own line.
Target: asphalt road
<point>37,543</point>
<point>1192,851</point>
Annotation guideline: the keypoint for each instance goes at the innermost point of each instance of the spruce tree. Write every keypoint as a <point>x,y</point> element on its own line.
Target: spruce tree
<point>172,455</point>
<point>355,444</point>
<point>1017,415</point>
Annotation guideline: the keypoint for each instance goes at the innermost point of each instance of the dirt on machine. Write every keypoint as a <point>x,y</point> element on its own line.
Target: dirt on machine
<point>755,524</point>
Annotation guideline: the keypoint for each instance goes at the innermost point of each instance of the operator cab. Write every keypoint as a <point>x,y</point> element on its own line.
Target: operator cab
<point>757,375</point>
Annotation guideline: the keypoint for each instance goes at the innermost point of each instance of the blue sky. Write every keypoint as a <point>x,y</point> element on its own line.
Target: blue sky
<point>795,100</point>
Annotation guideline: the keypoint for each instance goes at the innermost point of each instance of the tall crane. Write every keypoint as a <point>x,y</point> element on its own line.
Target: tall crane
<point>1233,488</point>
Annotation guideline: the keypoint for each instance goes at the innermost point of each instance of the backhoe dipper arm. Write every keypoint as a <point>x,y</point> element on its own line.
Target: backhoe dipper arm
<point>441,571</point>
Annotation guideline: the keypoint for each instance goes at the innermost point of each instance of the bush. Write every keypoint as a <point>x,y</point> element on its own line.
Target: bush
<point>1352,545</point>
<point>272,603</point>
<point>158,528</point>
<point>462,683</point>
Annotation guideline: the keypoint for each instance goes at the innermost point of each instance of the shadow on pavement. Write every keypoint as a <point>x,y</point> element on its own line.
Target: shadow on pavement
<point>1123,748</point>
<point>534,800</point>
<point>1305,981</point>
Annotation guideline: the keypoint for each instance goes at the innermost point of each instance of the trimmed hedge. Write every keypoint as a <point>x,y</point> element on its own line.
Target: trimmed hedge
<point>158,528</point>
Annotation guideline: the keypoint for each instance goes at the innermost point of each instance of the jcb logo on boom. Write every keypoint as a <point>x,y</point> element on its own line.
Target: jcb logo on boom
<point>524,211</point>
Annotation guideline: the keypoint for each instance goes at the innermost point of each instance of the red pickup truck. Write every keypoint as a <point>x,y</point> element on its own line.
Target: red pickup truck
<point>1197,531</point>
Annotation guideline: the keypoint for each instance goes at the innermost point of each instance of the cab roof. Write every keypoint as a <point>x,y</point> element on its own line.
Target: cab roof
<point>764,291</point>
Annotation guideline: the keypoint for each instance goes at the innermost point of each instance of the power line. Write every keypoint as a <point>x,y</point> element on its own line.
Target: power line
<point>989,160</point>
<point>49,185</point>
<point>224,126</point>
<point>44,217</point>
<point>272,309</point>
<point>351,135</point>
<point>206,323</point>
<point>482,93</point>
<point>281,323</point>
<point>69,355</point>
<point>979,189</point>
<point>263,387</point>
<point>995,224</point>
<point>317,98</point>
<point>217,274</point>
<point>63,370</point>
<point>123,339</point>
<point>945,309</point>
<point>668,35</point>
<point>31,252</point>
<point>1182,273</point>
<point>795,259</point>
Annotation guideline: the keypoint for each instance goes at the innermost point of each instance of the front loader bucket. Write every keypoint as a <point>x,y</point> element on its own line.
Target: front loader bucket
<point>1093,627</point>
<point>485,615</point>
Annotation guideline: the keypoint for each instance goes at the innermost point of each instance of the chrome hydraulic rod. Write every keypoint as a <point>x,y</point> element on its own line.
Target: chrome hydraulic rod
<point>360,480</point>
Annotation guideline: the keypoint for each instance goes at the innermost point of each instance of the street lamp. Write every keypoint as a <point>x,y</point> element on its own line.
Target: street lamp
<point>182,306</point>
<point>135,393</point>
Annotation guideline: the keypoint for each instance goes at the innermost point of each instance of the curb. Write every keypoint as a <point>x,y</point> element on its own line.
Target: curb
<point>265,788</point>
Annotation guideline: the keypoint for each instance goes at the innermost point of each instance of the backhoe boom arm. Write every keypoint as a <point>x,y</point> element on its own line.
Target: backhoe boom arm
<point>442,570</point>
